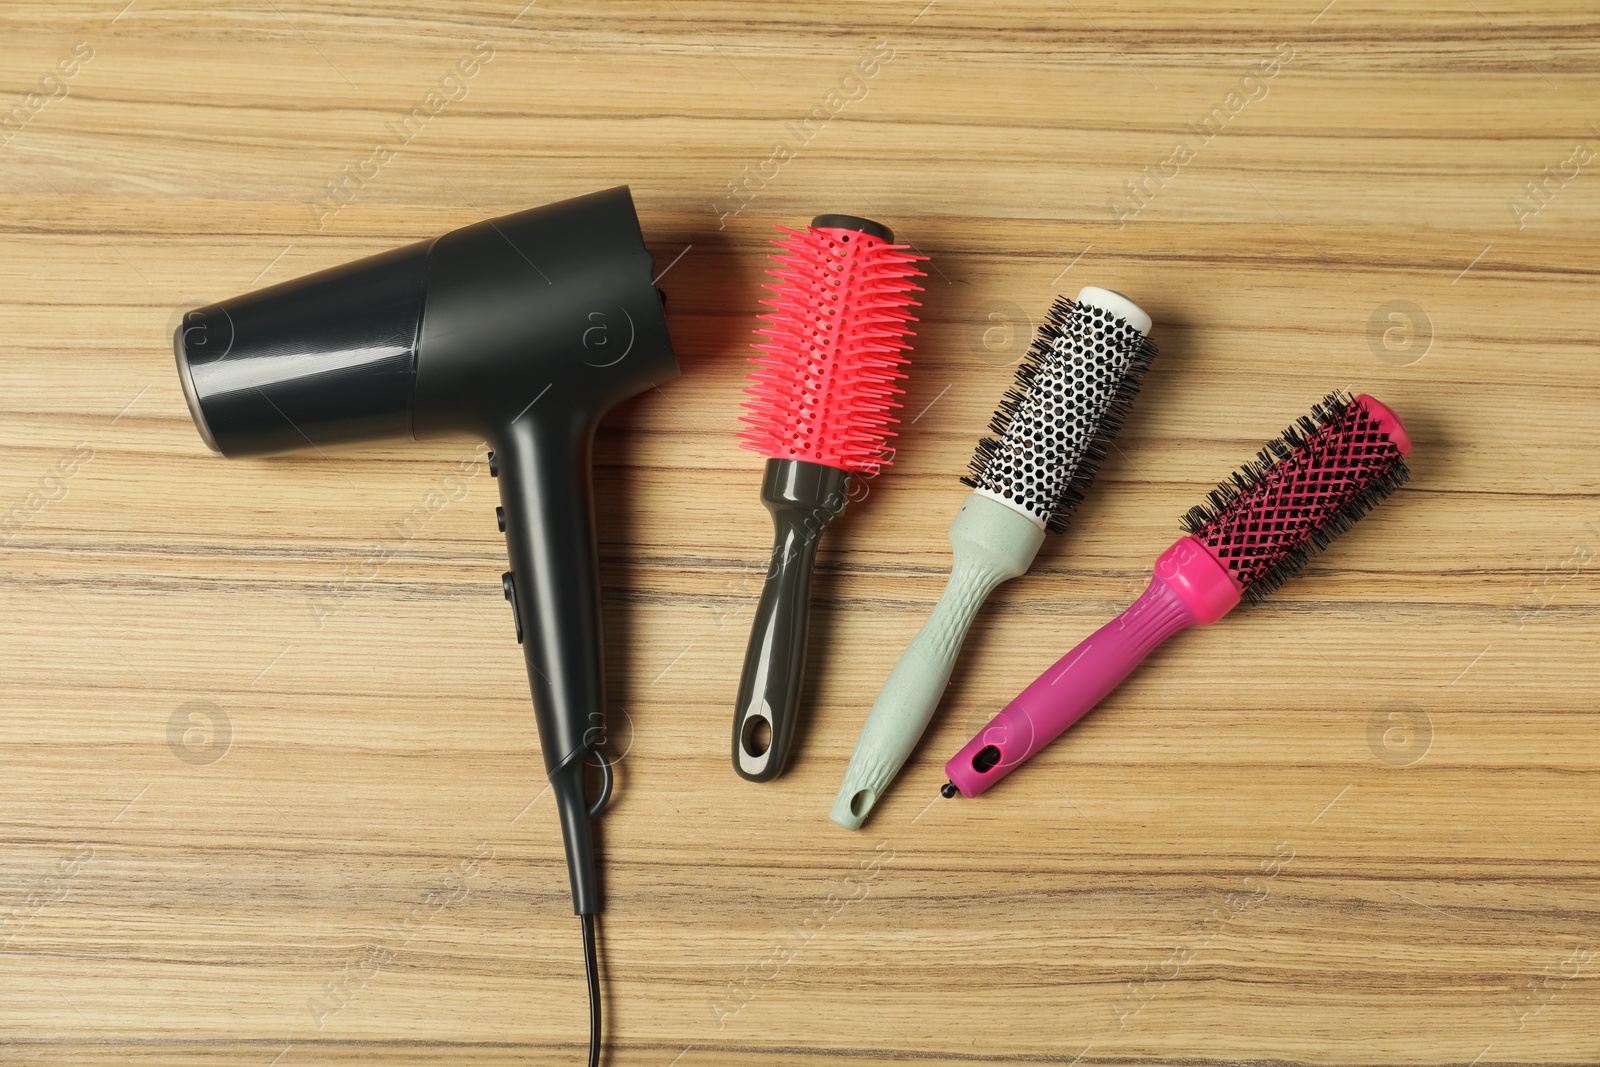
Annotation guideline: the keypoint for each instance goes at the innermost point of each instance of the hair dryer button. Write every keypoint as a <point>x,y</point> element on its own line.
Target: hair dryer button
<point>510,586</point>
<point>494,466</point>
<point>500,518</point>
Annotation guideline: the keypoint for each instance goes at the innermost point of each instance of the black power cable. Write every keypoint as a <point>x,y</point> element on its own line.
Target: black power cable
<point>591,961</point>
<point>591,968</point>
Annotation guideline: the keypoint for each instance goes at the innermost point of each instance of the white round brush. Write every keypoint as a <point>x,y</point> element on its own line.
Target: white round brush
<point>1051,434</point>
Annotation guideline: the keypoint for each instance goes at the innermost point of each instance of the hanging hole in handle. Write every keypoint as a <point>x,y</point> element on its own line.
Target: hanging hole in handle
<point>756,737</point>
<point>986,760</point>
<point>862,802</point>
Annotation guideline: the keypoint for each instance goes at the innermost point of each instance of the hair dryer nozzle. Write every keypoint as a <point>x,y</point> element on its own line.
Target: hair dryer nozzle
<point>321,359</point>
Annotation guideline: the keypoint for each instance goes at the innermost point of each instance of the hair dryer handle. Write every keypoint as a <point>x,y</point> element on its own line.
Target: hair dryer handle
<point>803,498</point>
<point>554,588</point>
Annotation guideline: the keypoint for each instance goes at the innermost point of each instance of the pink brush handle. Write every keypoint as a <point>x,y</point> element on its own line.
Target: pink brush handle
<point>1189,588</point>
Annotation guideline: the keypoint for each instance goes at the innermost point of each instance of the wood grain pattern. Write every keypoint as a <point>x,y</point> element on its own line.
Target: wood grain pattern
<point>369,870</point>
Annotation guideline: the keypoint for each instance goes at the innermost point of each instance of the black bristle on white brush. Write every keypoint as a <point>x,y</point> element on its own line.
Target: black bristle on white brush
<point>1072,391</point>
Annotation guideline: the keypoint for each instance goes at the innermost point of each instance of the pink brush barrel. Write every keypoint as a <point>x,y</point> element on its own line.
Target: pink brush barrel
<point>1189,588</point>
<point>835,349</point>
<point>1321,476</point>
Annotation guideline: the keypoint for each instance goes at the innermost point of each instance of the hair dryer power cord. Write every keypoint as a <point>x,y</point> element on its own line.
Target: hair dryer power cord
<point>591,961</point>
<point>591,968</point>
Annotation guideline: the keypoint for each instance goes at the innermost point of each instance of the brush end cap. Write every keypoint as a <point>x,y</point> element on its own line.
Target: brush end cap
<point>1117,304</point>
<point>853,222</point>
<point>1388,422</point>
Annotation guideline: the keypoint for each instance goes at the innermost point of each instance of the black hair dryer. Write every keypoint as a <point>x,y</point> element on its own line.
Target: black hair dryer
<point>522,330</point>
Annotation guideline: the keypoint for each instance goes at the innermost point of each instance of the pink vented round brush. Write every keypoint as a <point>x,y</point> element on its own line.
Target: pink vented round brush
<point>819,408</point>
<point>1256,530</point>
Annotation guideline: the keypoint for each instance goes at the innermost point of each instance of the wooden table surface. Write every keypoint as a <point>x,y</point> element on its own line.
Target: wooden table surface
<point>269,786</point>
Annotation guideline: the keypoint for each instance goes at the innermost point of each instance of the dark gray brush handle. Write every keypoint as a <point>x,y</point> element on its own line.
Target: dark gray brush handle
<point>803,498</point>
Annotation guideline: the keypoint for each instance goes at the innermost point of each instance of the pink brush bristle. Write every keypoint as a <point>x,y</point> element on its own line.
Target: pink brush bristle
<point>836,338</point>
<point>1302,491</point>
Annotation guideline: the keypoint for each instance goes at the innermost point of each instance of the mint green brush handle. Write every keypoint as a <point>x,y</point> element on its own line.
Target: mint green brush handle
<point>993,542</point>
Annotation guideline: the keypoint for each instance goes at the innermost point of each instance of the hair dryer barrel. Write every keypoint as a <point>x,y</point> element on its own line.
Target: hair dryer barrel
<point>458,333</point>
<point>522,330</point>
<point>325,358</point>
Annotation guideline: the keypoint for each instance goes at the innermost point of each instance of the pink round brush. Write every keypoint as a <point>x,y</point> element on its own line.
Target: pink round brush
<point>819,410</point>
<point>1256,530</point>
